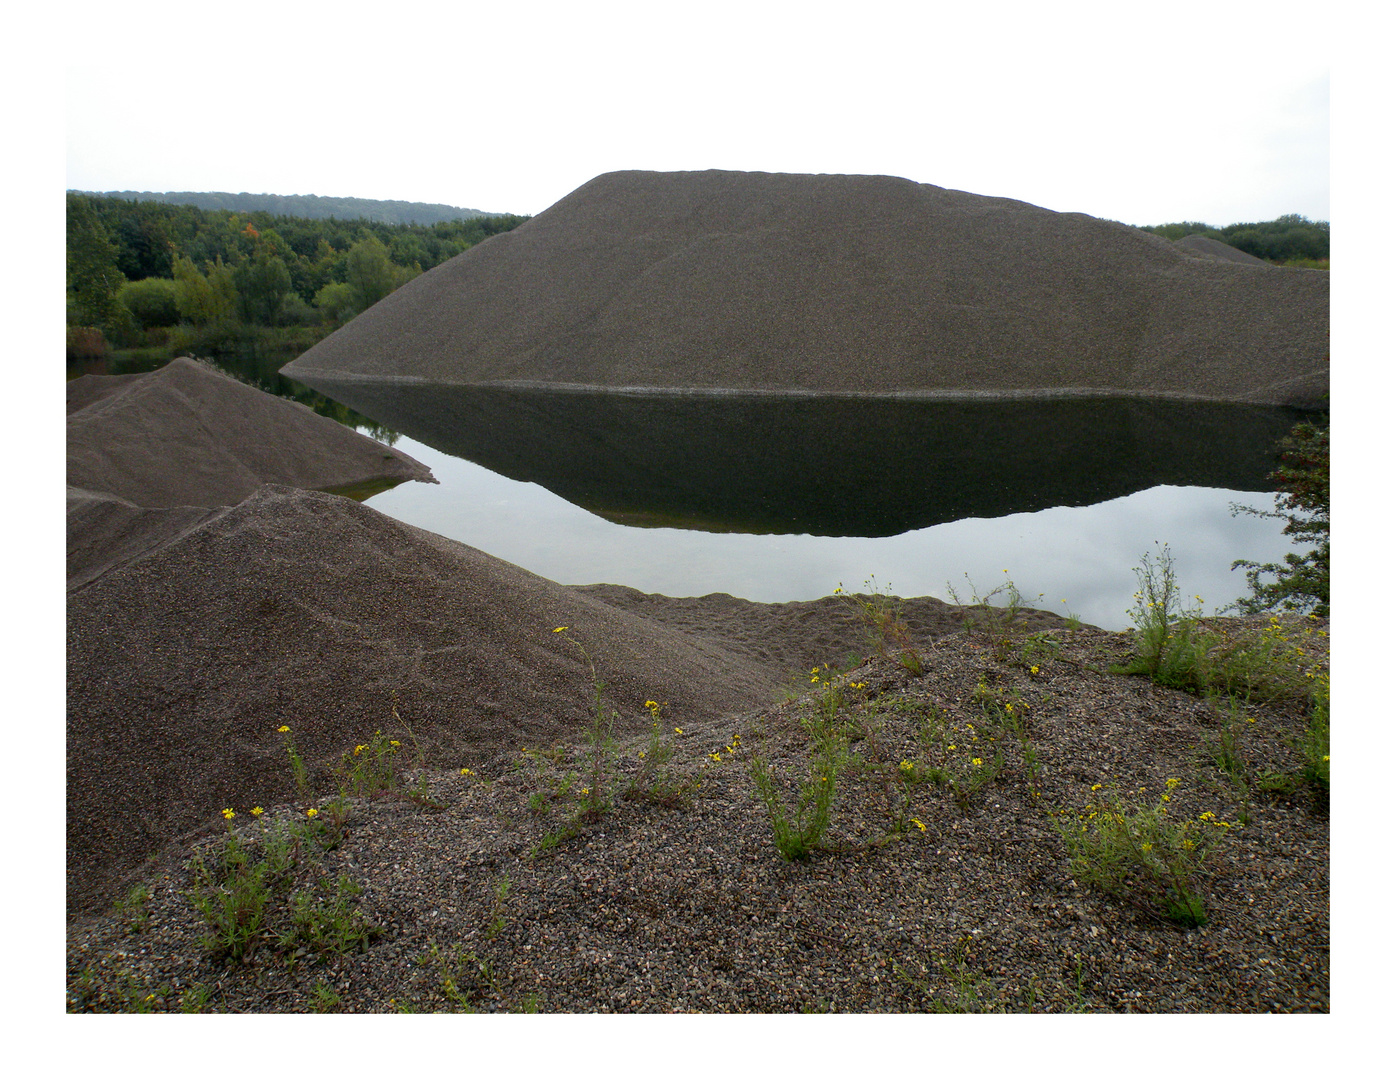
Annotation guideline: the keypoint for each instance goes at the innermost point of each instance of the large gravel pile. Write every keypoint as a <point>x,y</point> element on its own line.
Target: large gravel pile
<point>314,611</point>
<point>837,284</point>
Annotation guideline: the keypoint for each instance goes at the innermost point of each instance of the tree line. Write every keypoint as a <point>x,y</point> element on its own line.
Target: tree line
<point>1290,238</point>
<point>390,211</point>
<point>182,278</point>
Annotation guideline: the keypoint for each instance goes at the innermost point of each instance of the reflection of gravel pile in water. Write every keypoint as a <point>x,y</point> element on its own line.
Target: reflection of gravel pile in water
<point>314,611</point>
<point>722,280</point>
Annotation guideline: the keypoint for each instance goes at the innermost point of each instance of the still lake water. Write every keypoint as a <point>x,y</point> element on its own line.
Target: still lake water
<point>777,499</point>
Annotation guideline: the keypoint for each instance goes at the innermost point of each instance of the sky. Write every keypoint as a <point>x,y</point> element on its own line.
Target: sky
<point>1211,113</point>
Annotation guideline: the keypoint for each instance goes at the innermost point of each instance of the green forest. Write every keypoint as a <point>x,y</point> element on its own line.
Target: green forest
<point>148,281</point>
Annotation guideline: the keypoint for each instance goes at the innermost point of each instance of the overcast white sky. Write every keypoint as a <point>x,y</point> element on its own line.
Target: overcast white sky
<point>1216,111</point>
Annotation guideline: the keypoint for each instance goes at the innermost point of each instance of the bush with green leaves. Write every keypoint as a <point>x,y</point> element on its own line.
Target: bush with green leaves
<point>151,301</point>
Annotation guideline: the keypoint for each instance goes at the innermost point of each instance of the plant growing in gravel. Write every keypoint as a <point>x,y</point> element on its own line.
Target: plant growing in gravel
<point>135,908</point>
<point>1142,854</point>
<point>881,613</point>
<point>970,991</point>
<point>996,623</point>
<point>323,999</point>
<point>596,795</point>
<point>370,768</point>
<point>323,920</point>
<point>233,896</point>
<point>237,888</point>
<point>297,763</point>
<point>1166,645</point>
<point>799,828</point>
<point>467,980</point>
<point>498,920</point>
<point>1174,649</point>
<point>653,782</point>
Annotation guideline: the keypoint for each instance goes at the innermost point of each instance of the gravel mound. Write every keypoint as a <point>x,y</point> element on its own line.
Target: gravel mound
<point>105,531</point>
<point>314,611</point>
<point>724,281</point>
<point>1211,248</point>
<point>187,435</point>
<point>151,456</point>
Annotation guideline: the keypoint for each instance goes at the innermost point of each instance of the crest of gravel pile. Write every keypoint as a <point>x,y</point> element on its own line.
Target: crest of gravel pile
<point>151,456</point>
<point>728,281</point>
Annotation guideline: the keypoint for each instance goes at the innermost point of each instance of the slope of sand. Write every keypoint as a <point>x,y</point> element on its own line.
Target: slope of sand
<point>837,284</point>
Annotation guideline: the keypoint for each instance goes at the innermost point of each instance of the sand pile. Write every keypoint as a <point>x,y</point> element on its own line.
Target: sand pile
<point>837,284</point>
<point>149,456</point>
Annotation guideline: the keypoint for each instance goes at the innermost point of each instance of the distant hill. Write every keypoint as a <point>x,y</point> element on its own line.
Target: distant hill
<point>389,212</point>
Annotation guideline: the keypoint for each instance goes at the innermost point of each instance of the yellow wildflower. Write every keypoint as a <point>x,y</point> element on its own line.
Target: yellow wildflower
<point>257,811</point>
<point>229,814</point>
<point>283,729</point>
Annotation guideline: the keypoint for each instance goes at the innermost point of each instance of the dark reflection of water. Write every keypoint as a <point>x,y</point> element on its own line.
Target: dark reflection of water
<point>828,466</point>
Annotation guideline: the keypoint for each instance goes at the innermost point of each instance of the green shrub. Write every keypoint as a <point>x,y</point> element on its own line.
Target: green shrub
<point>151,301</point>
<point>1142,854</point>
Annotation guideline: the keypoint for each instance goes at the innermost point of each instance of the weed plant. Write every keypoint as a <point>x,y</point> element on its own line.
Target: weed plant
<point>1142,854</point>
<point>997,623</point>
<point>1174,648</point>
<point>653,781</point>
<point>596,795</point>
<point>298,773</point>
<point>799,825</point>
<point>243,887</point>
<point>888,634</point>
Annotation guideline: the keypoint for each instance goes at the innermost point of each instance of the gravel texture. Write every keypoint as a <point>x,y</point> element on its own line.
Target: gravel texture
<point>732,281</point>
<point>686,905</point>
<point>188,435</point>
